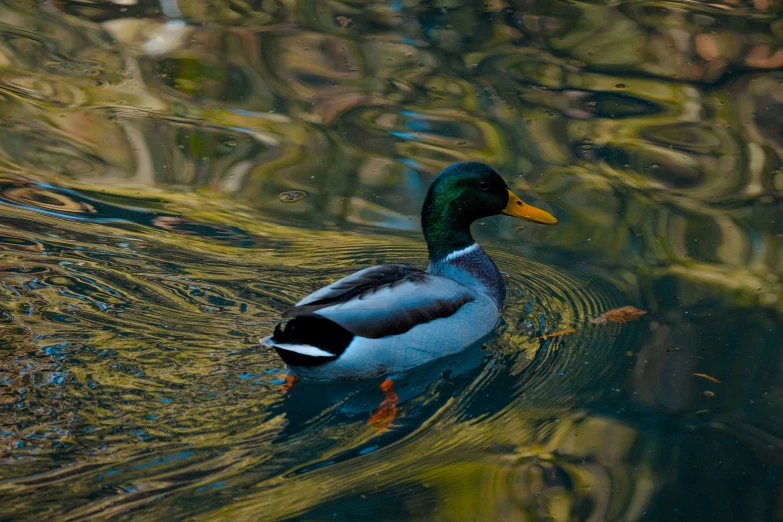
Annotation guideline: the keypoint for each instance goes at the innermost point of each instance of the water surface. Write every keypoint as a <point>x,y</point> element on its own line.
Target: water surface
<point>173,175</point>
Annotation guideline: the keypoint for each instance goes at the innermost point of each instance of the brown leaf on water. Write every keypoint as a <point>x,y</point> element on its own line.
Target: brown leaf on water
<point>557,334</point>
<point>708,377</point>
<point>620,315</point>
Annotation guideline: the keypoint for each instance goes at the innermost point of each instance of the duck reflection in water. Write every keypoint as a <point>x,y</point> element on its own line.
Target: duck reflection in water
<point>308,400</point>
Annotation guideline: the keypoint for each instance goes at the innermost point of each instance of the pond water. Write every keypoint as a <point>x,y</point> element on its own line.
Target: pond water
<point>174,174</point>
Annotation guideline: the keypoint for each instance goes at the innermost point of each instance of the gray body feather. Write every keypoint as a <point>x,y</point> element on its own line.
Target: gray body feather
<point>403,317</point>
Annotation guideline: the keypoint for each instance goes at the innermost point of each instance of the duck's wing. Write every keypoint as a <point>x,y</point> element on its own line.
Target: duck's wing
<point>385,300</point>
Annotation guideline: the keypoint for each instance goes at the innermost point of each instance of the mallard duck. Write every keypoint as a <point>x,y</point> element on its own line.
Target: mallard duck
<point>387,319</point>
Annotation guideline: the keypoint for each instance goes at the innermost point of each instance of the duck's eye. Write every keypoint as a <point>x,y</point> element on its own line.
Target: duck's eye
<point>483,184</point>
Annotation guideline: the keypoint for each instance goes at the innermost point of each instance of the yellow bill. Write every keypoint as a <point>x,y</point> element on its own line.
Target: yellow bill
<point>518,208</point>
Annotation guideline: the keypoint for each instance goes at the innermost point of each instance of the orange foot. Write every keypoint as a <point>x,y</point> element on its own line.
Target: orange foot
<point>387,411</point>
<point>290,380</point>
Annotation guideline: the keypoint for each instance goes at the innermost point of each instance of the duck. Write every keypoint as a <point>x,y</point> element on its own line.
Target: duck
<point>387,319</point>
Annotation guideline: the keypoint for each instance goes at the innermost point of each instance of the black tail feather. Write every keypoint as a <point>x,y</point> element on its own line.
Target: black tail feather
<point>314,331</point>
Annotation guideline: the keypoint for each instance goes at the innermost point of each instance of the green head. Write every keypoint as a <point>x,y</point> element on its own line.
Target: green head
<point>461,194</point>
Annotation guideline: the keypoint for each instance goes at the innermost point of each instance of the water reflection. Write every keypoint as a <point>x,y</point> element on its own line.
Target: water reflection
<point>144,151</point>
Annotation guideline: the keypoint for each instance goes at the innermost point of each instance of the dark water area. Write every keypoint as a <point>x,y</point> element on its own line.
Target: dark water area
<point>174,174</point>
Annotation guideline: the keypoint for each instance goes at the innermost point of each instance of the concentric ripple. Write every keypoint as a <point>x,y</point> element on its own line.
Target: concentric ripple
<point>131,348</point>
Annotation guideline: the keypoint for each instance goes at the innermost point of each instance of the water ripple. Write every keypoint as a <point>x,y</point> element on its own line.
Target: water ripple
<point>144,249</point>
<point>143,345</point>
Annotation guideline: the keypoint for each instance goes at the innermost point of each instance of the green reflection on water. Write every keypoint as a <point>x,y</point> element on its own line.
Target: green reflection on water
<point>144,248</point>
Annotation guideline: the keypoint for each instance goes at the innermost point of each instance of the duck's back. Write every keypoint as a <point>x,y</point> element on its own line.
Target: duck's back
<point>383,319</point>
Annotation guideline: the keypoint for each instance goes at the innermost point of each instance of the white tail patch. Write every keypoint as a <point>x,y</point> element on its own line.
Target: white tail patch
<point>303,349</point>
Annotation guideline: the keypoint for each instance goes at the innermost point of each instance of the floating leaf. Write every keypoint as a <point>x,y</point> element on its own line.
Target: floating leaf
<point>708,377</point>
<point>557,334</point>
<point>619,315</point>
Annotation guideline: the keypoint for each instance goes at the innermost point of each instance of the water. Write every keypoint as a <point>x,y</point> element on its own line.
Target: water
<point>173,175</point>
